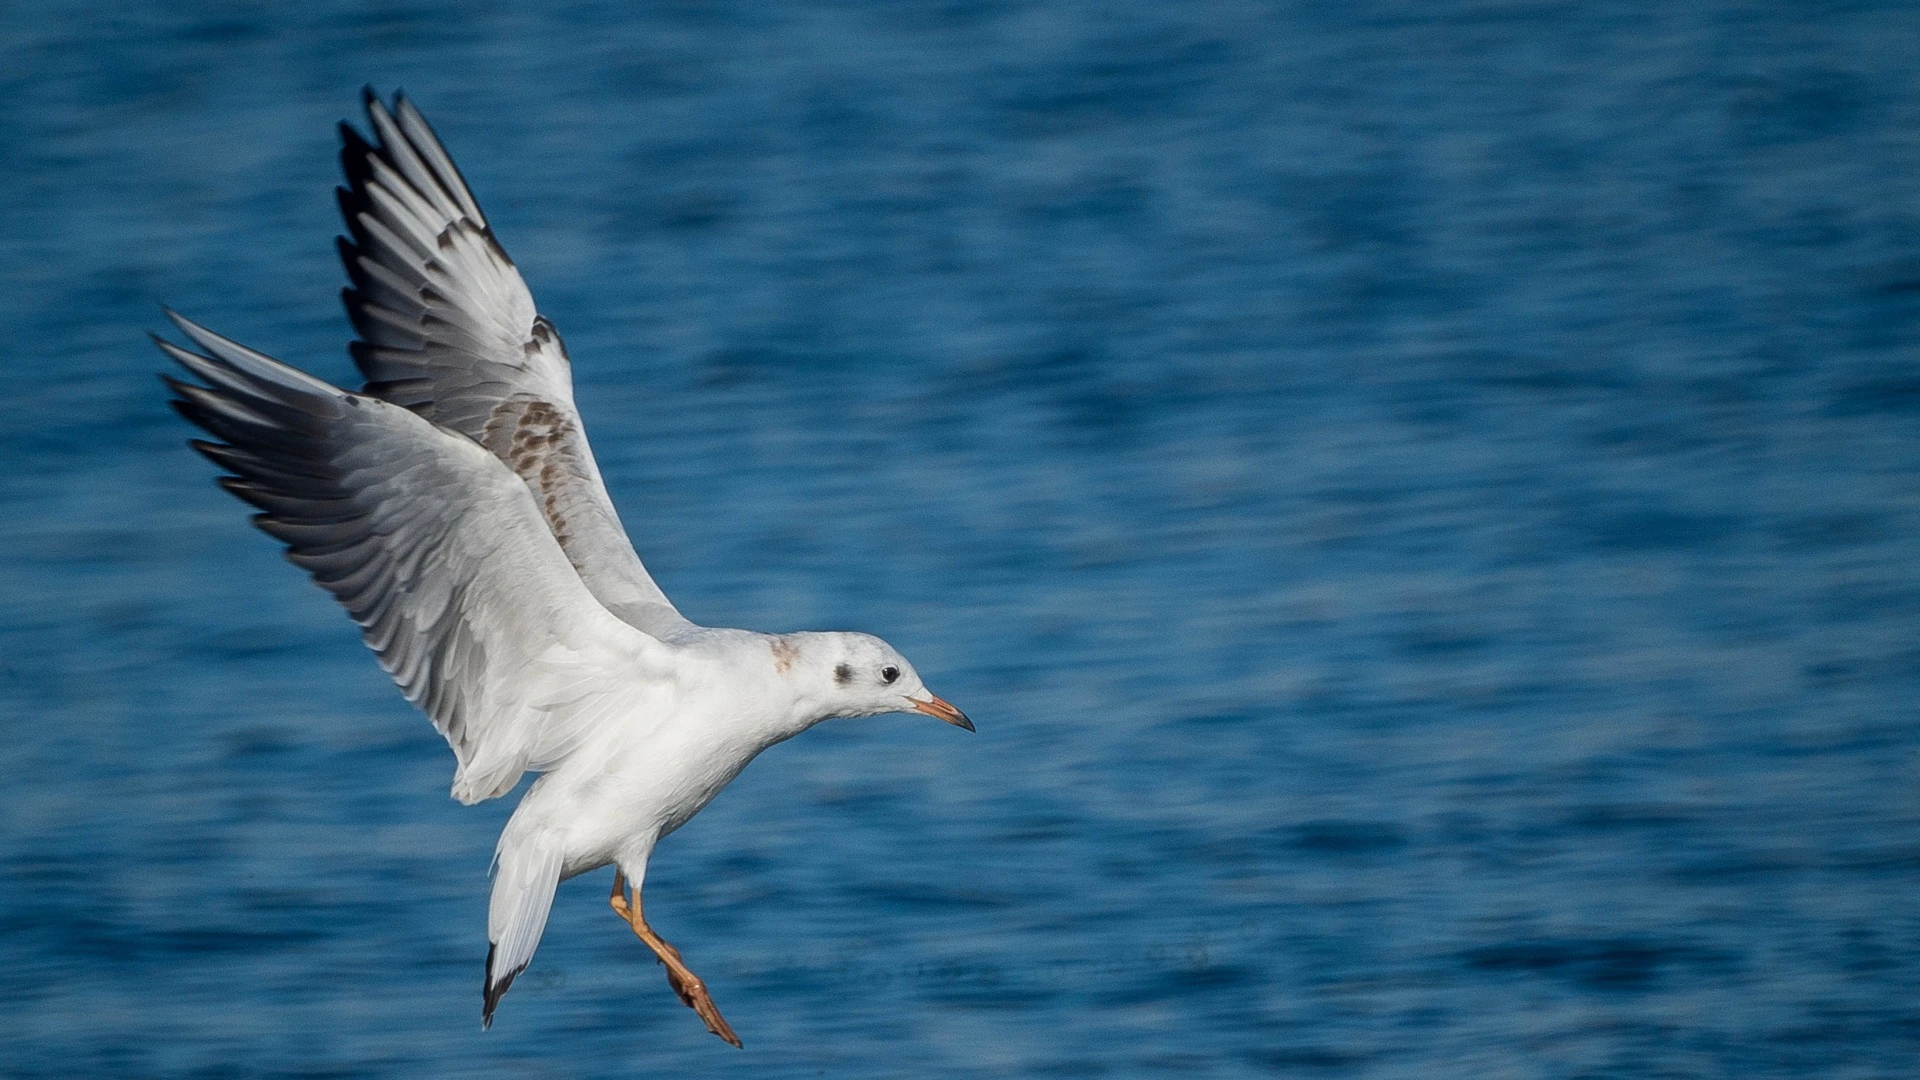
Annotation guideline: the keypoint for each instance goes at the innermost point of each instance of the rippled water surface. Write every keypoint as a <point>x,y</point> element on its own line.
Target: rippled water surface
<point>1421,501</point>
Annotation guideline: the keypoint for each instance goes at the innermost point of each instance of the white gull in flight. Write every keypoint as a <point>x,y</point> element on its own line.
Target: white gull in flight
<point>454,509</point>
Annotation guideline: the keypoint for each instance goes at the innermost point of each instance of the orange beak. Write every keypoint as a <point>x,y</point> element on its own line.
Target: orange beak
<point>933,706</point>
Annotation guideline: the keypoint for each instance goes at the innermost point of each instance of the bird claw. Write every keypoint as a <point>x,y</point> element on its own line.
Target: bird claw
<point>692,993</point>
<point>709,1014</point>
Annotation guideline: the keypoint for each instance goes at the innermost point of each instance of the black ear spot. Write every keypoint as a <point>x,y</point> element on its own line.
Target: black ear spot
<point>888,674</point>
<point>843,674</point>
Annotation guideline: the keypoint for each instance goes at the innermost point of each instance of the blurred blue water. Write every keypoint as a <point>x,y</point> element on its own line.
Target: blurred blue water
<point>1420,499</point>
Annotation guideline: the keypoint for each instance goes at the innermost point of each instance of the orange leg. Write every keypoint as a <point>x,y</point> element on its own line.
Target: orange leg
<point>692,992</point>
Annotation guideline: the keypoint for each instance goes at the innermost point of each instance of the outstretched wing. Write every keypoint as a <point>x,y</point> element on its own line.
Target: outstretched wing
<point>448,329</point>
<point>437,551</point>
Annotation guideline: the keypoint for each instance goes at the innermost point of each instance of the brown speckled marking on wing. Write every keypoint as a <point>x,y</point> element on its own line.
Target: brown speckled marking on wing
<point>540,443</point>
<point>448,329</point>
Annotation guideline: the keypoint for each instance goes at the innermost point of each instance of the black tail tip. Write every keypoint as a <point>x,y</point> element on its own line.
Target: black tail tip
<point>488,999</point>
<point>492,990</point>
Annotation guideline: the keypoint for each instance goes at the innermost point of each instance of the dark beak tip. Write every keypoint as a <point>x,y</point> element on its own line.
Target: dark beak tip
<point>941,710</point>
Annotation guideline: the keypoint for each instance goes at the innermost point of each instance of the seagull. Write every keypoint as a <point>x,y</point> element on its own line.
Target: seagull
<point>453,507</point>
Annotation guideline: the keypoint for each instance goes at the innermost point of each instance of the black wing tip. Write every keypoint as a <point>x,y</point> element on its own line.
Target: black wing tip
<point>361,351</point>
<point>357,155</point>
<point>356,314</point>
<point>190,412</point>
<point>352,142</point>
<point>177,386</point>
<point>355,148</point>
<point>212,451</point>
<point>184,406</point>
<point>492,990</point>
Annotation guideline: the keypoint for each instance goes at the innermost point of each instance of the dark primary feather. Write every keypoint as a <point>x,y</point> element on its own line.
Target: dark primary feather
<point>449,329</point>
<point>438,335</point>
<point>433,547</point>
<point>286,446</point>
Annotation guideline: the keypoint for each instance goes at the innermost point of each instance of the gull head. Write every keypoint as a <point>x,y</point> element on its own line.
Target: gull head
<point>860,675</point>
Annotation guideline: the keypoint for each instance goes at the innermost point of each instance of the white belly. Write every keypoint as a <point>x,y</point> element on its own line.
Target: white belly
<point>612,806</point>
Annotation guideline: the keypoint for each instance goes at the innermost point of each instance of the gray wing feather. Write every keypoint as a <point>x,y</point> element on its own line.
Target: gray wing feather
<point>448,329</point>
<point>434,547</point>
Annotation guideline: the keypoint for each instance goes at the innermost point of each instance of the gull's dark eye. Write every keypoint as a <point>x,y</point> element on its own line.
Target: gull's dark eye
<point>889,673</point>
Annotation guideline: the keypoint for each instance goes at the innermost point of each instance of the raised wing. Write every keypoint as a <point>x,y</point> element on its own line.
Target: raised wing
<point>435,549</point>
<point>448,329</point>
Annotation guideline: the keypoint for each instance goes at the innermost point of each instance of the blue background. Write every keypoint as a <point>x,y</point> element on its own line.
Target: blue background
<point>1421,500</point>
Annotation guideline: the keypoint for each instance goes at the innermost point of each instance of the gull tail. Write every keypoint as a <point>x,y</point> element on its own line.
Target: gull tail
<point>526,871</point>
